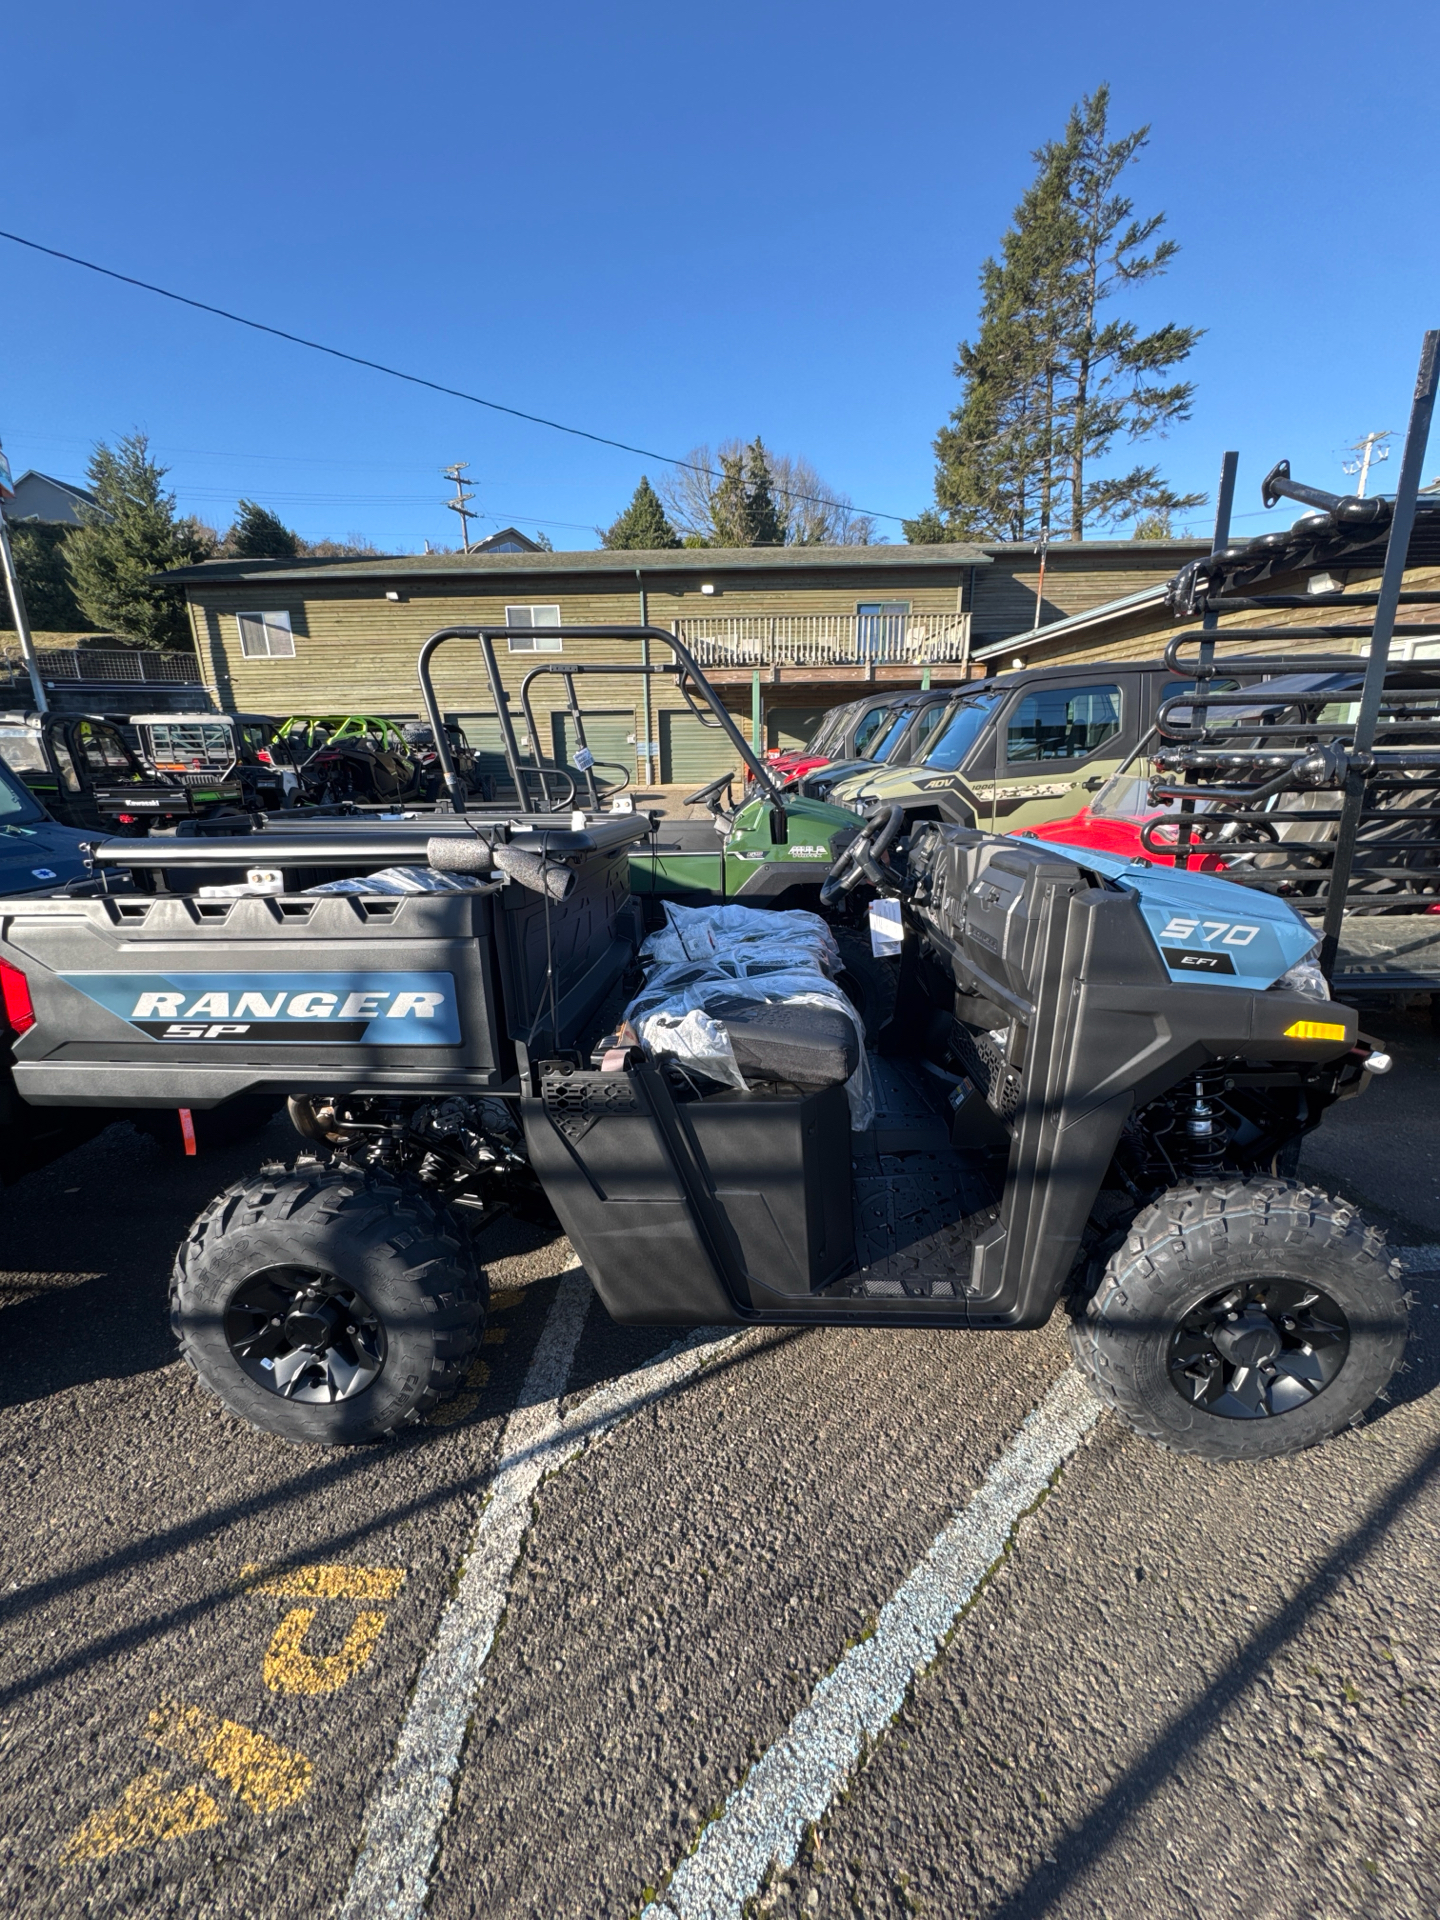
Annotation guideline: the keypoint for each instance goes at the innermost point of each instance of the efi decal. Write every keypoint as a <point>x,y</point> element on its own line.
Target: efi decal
<point>336,1009</point>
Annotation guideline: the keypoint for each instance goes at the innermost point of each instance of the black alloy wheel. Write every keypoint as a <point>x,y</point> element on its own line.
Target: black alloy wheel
<point>305,1336</point>
<point>1258,1349</point>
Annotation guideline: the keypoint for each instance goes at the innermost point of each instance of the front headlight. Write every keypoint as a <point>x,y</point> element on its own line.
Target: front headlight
<point>1304,978</point>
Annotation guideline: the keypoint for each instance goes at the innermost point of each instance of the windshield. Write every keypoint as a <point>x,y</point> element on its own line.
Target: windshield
<point>23,749</point>
<point>961,729</point>
<point>888,735</point>
<point>829,730</point>
<point>16,800</point>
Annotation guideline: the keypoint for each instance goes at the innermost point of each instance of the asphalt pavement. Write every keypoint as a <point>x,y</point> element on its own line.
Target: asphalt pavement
<point>1170,1688</point>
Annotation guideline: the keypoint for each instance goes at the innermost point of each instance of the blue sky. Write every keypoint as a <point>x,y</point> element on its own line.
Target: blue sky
<point>673,226</point>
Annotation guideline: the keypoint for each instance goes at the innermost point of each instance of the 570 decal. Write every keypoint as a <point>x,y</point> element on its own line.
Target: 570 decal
<point>1212,958</point>
<point>1230,933</point>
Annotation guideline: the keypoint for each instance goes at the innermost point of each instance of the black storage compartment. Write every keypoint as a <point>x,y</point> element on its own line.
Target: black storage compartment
<point>678,1210</point>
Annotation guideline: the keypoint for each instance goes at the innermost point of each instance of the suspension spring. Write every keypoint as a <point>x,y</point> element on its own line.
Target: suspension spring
<point>1204,1132</point>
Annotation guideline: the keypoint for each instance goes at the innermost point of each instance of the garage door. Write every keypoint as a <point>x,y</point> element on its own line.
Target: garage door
<point>482,730</point>
<point>691,754</point>
<point>610,736</point>
<point>790,727</point>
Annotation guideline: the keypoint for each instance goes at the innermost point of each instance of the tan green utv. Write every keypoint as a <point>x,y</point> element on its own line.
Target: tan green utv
<point>1024,747</point>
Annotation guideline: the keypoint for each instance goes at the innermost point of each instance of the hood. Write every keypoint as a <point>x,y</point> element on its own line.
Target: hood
<point>40,856</point>
<point>1207,928</point>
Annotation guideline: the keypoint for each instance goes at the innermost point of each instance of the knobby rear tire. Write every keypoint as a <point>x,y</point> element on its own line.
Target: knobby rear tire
<point>1197,1240</point>
<point>385,1238</point>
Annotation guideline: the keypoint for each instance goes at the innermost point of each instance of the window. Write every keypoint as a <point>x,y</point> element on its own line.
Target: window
<point>880,628</point>
<point>930,718</point>
<point>23,749</point>
<point>16,801</point>
<point>869,727</point>
<point>964,723</point>
<point>1062,723</point>
<point>266,636</point>
<point>523,617</point>
<point>102,749</point>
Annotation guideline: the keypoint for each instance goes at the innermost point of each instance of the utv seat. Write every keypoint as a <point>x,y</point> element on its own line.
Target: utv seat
<point>779,1043</point>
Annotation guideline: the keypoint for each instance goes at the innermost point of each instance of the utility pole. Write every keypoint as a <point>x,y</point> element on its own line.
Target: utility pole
<point>461,503</point>
<point>17,598</point>
<point>1370,449</point>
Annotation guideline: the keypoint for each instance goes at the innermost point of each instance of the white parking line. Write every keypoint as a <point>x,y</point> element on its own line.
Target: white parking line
<point>798,1778</point>
<point>402,1829</point>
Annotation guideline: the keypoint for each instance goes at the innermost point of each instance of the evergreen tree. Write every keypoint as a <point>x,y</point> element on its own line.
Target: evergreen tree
<point>730,504</point>
<point>129,536</point>
<point>642,524</point>
<point>1049,384</point>
<point>259,534</point>
<point>767,522</point>
<point>39,549</point>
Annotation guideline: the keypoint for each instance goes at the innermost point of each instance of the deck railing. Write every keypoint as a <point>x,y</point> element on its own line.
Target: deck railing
<point>112,666</point>
<point>827,639</point>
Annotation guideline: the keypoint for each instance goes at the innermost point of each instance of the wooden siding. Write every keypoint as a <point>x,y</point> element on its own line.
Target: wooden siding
<point>1004,604</point>
<point>354,649</point>
<point>1145,634</point>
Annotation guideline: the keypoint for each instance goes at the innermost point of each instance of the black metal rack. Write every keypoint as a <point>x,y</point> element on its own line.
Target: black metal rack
<point>1317,775</point>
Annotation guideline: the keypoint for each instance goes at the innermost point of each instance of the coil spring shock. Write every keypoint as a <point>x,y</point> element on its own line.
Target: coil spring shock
<point>1204,1132</point>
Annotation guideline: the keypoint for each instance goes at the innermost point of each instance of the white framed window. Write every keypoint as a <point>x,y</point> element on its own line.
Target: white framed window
<point>522,617</point>
<point>266,636</point>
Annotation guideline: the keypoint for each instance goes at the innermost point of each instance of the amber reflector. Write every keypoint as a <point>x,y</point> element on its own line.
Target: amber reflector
<point>1314,1030</point>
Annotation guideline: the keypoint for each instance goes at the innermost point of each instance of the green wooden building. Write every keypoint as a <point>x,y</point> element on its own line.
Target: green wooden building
<point>784,632</point>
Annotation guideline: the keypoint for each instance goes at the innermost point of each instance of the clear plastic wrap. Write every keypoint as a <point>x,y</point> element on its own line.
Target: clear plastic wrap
<point>677,1013</point>
<point>405,880</point>
<point>732,933</point>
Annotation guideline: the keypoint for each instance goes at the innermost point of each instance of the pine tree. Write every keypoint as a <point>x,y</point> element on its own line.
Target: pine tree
<point>730,504</point>
<point>1049,386</point>
<point>129,536</point>
<point>259,534</point>
<point>39,549</point>
<point>642,524</point>
<point>767,522</point>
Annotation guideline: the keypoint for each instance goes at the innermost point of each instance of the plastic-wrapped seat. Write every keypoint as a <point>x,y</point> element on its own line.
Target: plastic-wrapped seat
<point>783,1043</point>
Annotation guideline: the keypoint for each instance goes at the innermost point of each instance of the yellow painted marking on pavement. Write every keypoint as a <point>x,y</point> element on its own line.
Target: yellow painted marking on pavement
<point>265,1775</point>
<point>288,1668</point>
<point>464,1404</point>
<point>324,1582</point>
<point>506,1297</point>
<point>495,1336</point>
<point>149,1813</point>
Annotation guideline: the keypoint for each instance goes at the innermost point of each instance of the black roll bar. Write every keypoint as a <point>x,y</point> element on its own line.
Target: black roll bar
<point>569,669</point>
<point>487,636</point>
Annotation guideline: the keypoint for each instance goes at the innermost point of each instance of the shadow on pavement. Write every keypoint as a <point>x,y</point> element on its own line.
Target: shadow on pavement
<point>1045,1891</point>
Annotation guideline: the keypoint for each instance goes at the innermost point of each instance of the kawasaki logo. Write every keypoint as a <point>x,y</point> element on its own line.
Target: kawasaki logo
<point>365,1009</point>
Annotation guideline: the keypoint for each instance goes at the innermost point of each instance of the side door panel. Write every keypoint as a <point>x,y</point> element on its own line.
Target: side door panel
<point>1057,743</point>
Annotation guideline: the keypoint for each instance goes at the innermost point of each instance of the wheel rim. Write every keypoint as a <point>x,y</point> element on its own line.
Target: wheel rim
<point>1258,1349</point>
<point>305,1335</point>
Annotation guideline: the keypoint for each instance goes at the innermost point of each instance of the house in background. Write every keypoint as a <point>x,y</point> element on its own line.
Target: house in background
<point>784,633</point>
<point>39,496</point>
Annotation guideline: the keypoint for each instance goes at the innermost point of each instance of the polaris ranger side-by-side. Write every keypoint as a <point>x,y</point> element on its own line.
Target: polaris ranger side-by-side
<point>1088,1086</point>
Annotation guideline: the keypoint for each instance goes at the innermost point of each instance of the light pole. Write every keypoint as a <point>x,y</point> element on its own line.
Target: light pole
<point>461,503</point>
<point>17,598</point>
<point>1370,449</point>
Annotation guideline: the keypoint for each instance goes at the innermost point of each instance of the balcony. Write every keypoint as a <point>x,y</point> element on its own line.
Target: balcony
<point>859,641</point>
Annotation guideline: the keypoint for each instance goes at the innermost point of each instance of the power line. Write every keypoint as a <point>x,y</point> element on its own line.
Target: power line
<point>417,380</point>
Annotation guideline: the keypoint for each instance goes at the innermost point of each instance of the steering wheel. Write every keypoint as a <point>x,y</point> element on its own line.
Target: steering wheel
<point>709,796</point>
<point>861,859</point>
